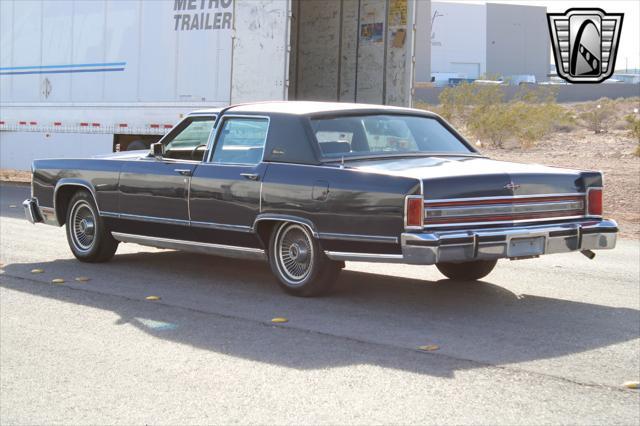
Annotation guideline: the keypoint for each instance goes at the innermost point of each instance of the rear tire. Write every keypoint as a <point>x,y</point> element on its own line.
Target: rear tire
<point>301,267</point>
<point>87,235</point>
<point>467,271</point>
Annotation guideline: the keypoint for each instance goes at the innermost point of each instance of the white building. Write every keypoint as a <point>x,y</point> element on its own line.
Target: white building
<point>472,40</point>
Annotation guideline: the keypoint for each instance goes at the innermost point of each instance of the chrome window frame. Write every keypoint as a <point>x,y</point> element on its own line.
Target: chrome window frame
<point>215,134</point>
<point>187,117</point>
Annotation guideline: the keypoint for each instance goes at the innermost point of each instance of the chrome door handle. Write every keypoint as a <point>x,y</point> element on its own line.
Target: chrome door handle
<point>183,172</point>
<point>250,176</point>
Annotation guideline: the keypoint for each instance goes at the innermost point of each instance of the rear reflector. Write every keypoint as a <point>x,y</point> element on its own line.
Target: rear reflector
<point>414,211</point>
<point>594,201</point>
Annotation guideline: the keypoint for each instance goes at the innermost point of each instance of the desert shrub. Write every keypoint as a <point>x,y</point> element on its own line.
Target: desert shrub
<point>598,116</point>
<point>481,110</point>
<point>537,120</point>
<point>566,122</point>
<point>536,94</point>
<point>458,102</point>
<point>494,123</point>
<point>428,107</point>
<point>633,125</point>
<point>526,122</point>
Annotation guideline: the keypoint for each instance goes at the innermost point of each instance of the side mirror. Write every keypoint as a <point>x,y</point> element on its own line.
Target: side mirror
<point>157,150</point>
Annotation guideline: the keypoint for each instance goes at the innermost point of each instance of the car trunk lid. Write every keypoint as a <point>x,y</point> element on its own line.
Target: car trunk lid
<point>473,190</point>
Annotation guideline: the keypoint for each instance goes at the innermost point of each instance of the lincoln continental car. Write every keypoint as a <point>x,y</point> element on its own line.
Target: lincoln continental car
<point>308,186</point>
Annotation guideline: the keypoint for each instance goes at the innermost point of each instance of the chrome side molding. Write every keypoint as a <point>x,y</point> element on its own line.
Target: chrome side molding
<point>365,257</point>
<point>192,246</point>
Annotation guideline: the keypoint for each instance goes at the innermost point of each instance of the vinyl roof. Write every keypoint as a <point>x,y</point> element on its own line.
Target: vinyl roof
<point>308,107</point>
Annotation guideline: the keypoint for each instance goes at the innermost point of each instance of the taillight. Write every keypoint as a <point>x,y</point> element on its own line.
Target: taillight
<point>414,212</point>
<point>594,202</point>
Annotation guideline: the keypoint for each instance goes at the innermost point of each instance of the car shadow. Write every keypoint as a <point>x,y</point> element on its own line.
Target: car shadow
<point>489,323</point>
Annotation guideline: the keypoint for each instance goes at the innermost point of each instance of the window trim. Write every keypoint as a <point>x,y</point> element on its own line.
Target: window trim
<point>215,136</point>
<point>473,151</point>
<point>177,128</point>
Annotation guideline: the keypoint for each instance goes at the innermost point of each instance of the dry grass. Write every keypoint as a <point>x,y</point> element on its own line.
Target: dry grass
<point>16,176</point>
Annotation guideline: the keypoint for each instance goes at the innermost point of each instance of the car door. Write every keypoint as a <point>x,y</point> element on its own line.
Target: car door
<point>156,189</point>
<point>225,188</point>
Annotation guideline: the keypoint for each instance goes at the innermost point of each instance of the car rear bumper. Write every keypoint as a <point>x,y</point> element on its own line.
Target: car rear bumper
<point>32,210</point>
<point>514,243</point>
<point>429,248</point>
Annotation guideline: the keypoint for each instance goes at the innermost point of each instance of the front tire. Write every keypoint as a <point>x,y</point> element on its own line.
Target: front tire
<point>467,271</point>
<point>301,267</point>
<point>87,235</point>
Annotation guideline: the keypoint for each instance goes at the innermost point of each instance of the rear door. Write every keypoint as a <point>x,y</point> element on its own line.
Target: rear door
<point>260,50</point>
<point>225,188</point>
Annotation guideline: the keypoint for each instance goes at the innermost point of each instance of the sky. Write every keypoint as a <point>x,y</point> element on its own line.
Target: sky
<point>629,49</point>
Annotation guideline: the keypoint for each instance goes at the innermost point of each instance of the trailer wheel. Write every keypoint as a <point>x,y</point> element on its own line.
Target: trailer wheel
<point>137,146</point>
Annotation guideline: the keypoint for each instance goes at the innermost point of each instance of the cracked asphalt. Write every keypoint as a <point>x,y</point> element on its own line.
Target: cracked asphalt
<point>541,341</point>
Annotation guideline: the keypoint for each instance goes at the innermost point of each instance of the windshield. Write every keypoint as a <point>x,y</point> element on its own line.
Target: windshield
<point>380,135</point>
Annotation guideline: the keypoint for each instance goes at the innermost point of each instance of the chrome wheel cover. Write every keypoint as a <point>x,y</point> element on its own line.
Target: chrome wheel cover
<point>294,253</point>
<point>82,226</point>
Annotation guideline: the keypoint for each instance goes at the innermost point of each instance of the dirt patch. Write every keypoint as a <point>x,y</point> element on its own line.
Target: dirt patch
<point>611,153</point>
<point>15,176</point>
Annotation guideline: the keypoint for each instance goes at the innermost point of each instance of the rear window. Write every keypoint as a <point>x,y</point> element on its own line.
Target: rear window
<point>383,134</point>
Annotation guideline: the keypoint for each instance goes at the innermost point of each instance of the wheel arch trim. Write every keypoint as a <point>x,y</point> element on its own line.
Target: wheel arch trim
<point>66,182</point>
<point>285,218</point>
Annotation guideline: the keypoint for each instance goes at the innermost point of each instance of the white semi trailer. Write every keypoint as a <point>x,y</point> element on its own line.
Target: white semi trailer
<point>83,77</point>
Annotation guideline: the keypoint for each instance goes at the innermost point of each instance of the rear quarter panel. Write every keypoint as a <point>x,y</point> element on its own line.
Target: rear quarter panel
<point>357,203</point>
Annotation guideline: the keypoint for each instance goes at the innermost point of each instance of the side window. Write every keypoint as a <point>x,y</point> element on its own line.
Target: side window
<point>190,134</point>
<point>241,141</point>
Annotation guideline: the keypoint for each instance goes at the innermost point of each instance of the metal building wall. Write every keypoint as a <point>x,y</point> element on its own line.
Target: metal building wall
<point>517,40</point>
<point>422,52</point>
<point>458,40</point>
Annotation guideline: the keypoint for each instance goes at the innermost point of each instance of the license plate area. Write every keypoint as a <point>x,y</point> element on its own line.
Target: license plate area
<point>521,247</point>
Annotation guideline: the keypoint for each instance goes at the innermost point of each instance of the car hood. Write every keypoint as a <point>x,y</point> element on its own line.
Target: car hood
<point>446,177</point>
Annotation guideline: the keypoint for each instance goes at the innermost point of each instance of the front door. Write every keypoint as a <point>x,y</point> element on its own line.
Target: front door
<point>156,190</point>
<point>225,188</point>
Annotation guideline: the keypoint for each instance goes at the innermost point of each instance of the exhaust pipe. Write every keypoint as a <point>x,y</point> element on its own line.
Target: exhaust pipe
<point>588,253</point>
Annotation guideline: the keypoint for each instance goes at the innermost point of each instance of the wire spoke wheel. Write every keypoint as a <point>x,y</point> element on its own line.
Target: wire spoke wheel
<point>294,251</point>
<point>83,226</point>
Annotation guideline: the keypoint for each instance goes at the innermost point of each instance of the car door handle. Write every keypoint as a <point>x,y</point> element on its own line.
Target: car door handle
<point>183,172</point>
<point>250,176</point>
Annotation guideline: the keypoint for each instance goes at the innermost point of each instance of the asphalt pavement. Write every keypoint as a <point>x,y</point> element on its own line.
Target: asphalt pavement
<point>540,341</point>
